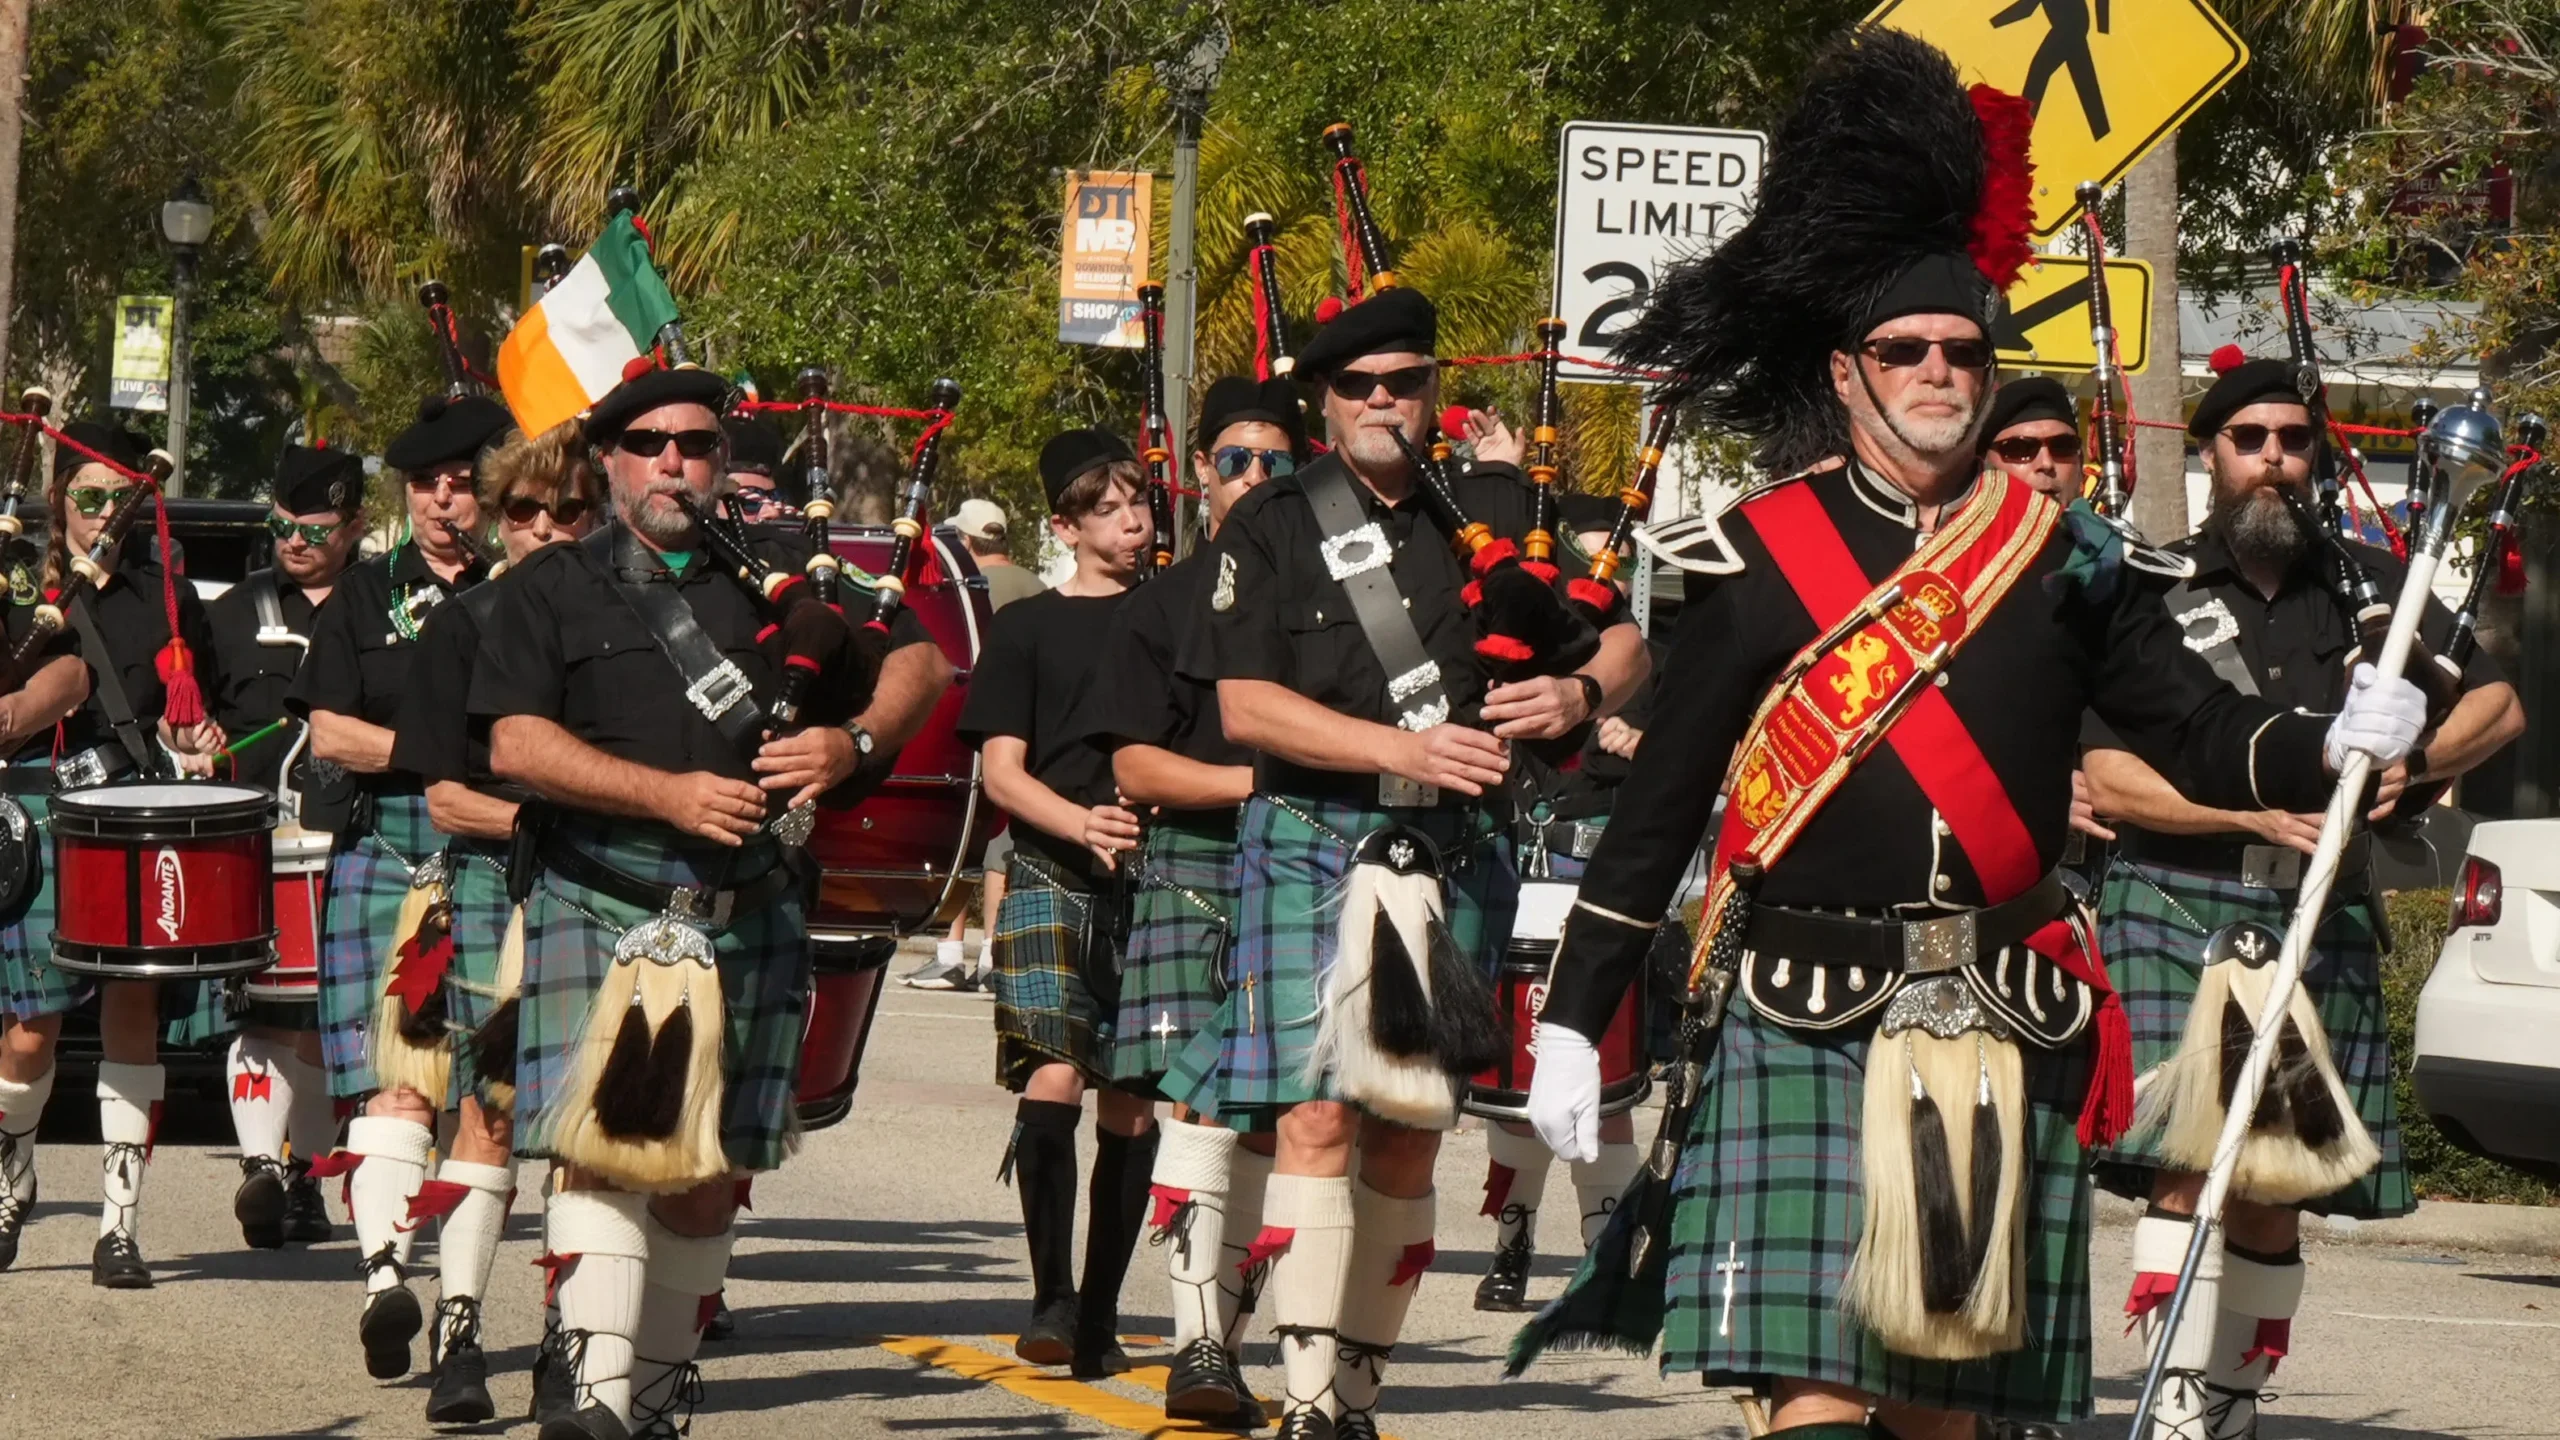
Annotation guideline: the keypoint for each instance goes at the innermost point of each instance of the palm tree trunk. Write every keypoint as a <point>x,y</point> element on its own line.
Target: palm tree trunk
<point>14,15</point>
<point>2160,456</point>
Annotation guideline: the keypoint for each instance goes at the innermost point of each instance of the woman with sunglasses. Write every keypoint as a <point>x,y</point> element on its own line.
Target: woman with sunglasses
<point>116,733</point>
<point>545,495</point>
<point>363,648</point>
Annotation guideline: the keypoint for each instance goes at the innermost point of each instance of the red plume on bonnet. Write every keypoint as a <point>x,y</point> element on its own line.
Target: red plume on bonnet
<point>2005,219</point>
<point>2227,358</point>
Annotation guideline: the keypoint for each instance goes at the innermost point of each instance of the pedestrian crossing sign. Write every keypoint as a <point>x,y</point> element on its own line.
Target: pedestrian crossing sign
<point>2109,79</point>
<point>2044,319</point>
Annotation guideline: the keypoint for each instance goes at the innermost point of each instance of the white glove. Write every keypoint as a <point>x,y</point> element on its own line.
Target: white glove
<point>1564,1094</point>
<point>2382,720</point>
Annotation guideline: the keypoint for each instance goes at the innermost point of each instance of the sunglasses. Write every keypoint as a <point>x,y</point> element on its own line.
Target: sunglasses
<point>1402,384</point>
<point>1900,352</point>
<point>2021,449</point>
<point>1233,460</point>
<point>521,509</point>
<point>2250,439</point>
<point>650,444</point>
<point>94,499</point>
<point>281,526</point>
<point>458,484</point>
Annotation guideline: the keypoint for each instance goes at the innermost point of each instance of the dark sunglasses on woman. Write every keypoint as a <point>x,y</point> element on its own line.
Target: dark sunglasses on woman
<point>521,509</point>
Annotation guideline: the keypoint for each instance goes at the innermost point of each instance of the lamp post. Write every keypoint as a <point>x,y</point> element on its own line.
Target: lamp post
<point>1190,80</point>
<point>185,222</point>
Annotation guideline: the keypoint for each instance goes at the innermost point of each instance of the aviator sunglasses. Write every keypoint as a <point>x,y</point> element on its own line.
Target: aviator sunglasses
<point>281,526</point>
<point>650,444</point>
<point>1403,384</point>
<point>1233,460</point>
<point>1898,352</point>
<point>2250,439</point>
<point>2021,449</point>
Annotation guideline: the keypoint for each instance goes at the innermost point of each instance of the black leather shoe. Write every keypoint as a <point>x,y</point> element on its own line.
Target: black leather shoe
<point>1356,1425</point>
<point>592,1423</point>
<point>555,1377</point>
<point>259,1203</point>
<point>1050,1338</point>
<point>391,1320</point>
<point>116,1263</point>
<point>461,1392</point>
<point>306,1213</point>
<point>1505,1287</point>
<point>13,1216</point>
<point>1098,1359</point>
<point>722,1324</point>
<point>1200,1384</point>
<point>1297,1425</point>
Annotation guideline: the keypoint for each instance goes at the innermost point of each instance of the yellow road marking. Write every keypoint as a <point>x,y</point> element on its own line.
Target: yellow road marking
<point>1044,1387</point>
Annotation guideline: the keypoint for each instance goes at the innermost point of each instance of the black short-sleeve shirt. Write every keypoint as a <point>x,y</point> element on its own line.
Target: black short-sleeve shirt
<point>132,617</point>
<point>255,676</point>
<point>1138,695</point>
<point>362,652</point>
<point>435,737</point>
<point>1042,654</point>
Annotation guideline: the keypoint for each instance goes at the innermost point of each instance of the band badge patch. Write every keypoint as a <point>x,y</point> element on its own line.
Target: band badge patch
<point>22,584</point>
<point>1223,598</point>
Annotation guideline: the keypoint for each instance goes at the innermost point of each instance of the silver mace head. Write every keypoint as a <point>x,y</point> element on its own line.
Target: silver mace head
<point>2461,450</point>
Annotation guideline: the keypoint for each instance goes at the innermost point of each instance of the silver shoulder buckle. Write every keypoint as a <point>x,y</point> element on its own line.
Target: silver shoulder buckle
<point>1356,551</point>
<point>716,693</point>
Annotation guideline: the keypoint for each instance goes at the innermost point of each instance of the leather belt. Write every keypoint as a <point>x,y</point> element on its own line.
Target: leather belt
<point>2257,866</point>
<point>714,908</point>
<point>1367,789</point>
<point>1926,946</point>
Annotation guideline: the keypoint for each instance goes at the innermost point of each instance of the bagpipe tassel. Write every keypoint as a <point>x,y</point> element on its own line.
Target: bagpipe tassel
<point>644,1095</point>
<point>182,702</point>
<point>409,1047</point>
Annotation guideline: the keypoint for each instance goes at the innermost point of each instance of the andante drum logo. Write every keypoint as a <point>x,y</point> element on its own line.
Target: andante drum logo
<point>171,877</point>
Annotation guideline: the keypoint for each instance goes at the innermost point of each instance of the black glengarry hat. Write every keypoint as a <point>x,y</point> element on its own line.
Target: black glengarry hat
<point>116,443</point>
<point>1397,318</point>
<point>755,444</point>
<point>2034,397</point>
<point>311,479</point>
<point>645,389</point>
<point>1074,454</point>
<point>448,430</point>
<point>1235,400</point>
<point>2240,383</point>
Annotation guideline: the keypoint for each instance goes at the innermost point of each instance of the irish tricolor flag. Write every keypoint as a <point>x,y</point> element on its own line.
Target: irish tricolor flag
<point>571,347</point>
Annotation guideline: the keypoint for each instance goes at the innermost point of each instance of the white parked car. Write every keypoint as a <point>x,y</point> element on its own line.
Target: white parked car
<point>2488,1061</point>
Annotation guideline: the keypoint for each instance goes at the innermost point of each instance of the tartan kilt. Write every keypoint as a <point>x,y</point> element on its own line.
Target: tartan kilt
<point>1181,926</point>
<point>1250,1061</point>
<point>1772,1169</point>
<point>213,1010</point>
<point>480,914</point>
<point>368,879</point>
<point>2153,920</point>
<point>30,988</point>
<point>569,935</point>
<point>1049,1011</point>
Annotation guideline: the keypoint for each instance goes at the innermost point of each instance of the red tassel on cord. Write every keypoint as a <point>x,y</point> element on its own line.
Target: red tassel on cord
<point>1272,1240</point>
<point>1168,1198</point>
<point>1497,1187</point>
<point>2005,216</point>
<point>2151,1290</point>
<point>435,1200</point>
<point>1417,1257</point>
<point>2107,1112</point>
<point>929,571</point>
<point>182,702</point>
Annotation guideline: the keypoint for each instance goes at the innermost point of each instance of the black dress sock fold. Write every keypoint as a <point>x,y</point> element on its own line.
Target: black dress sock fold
<point>1044,1171</point>
<point>1116,1202</point>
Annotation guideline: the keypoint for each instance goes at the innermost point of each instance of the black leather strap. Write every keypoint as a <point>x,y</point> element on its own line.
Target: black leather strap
<point>1811,937</point>
<point>566,860</point>
<point>713,682</point>
<point>108,682</point>
<point>1357,553</point>
<point>2219,648</point>
<point>265,598</point>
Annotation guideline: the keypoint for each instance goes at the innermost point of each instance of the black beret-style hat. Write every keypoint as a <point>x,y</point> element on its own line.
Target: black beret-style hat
<point>448,429</point>
<point>116,443</point>
<point>1401,318</point>
<point>2241,385</point>
<point>310,480</point>
<point>2036,397</point>
<point>1235,400</point>
<point>1073,454</point>
<point>640,393</point>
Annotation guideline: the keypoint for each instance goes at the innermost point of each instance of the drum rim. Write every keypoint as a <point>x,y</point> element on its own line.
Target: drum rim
<point>228,958</point>
<point>246,795</point>
<point>1502,1104</point>
<point>233,820</point>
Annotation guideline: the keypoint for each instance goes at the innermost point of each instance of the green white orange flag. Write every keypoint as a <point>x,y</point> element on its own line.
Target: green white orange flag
<point>573,345</point>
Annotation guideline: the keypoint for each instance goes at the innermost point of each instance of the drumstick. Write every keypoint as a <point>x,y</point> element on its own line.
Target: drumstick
<point>1755,1413</point>
<point>252,738</point>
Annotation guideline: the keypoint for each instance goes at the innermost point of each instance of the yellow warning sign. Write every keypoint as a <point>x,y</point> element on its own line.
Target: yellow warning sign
<point>2109,78</point>
<point>2044,319</point>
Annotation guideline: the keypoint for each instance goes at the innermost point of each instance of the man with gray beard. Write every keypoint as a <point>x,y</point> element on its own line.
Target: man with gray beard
<point>2260,608</point>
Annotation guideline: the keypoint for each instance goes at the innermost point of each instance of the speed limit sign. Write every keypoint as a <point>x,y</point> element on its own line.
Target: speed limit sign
<point>1632,199</point>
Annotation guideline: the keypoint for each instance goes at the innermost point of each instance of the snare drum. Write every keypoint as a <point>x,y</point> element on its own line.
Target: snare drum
<point>1520,992</point>
<point>844,994</point>
<point>289,994</point>
<point>164,881</point>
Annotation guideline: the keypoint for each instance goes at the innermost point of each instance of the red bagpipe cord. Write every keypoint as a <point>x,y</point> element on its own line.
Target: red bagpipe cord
<point>183,705</point>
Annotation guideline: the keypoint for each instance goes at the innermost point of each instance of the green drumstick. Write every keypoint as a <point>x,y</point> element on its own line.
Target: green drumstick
<point>253,737</point>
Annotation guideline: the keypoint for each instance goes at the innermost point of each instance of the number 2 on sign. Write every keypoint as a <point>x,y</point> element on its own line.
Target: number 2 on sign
<point>1596,332</point>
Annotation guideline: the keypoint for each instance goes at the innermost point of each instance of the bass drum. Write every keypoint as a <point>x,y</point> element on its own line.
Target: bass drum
<point>900,860</point>
<point>845,977</point>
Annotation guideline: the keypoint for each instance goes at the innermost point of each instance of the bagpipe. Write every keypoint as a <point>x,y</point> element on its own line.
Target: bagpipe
<point>806,637</point>
<point>915,507</point>
<point>1270,316</point>
<point>817,517</point>
<point>1155,433</point>
<point>183,702</point>
<point>2114,492</point>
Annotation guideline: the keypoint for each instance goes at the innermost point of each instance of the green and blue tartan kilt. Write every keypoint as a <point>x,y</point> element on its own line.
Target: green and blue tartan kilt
<point>368,879</point>
<point>569,935</point>
<point>33,988</point>
<point>1772,1169</point>
<point>480,912</point>
<point>2152,924</point>
<point>212,1010</point>
<point>1181,927</point>
<point>1049,1010</point>
<point>1294,855</point>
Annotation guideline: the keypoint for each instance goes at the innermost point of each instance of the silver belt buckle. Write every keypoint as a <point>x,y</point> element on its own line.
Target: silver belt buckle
<point>1397,793</point>
<point>697,906</point>
<point>1940,944</point>
<point>1586,840</point>
<point>80,771</point>
<point>2270,867</point>
<point>715,693</point>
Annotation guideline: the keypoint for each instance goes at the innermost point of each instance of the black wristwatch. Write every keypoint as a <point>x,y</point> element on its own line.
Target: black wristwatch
<point>862,744</point>
<point>1592,695</point>
<point>2417,762</point>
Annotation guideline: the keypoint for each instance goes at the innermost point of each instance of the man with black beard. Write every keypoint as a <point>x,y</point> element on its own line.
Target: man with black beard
<point>2261,608</point>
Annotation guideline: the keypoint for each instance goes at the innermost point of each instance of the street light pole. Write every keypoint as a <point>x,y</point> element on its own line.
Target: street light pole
<point>186,221</point>
<point>1190,81</point>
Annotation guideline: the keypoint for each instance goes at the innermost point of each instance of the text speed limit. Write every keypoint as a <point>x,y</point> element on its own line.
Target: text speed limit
<point>1631,200</point>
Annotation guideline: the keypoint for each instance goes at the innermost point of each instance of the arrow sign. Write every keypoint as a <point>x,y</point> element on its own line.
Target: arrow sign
<point>2044,319</point>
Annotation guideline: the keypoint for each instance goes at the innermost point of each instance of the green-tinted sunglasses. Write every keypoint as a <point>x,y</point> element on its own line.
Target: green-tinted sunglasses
<point>280,527</point>
<point>93,499</point>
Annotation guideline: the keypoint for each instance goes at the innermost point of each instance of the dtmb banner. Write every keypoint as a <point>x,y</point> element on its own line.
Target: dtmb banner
<point>138,369</point>
<point>1109,216</point>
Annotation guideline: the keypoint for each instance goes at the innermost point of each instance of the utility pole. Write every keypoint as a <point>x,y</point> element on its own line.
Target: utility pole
<point>14,21</point>
<point>1190,82</point>
<point>2160,456</point>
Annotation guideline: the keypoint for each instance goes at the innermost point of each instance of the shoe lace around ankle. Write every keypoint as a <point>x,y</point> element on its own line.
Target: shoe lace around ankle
<point>683,1387</point>
<point>261,1165</point>
<point>366,1265</point>
<point>117,1245</point>
<point>457,1322</point>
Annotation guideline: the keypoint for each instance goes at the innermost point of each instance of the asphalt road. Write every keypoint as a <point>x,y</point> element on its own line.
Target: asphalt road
<point>874,1270</point>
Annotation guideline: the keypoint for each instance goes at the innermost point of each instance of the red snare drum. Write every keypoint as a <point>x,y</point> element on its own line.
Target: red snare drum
<point>844,993</point>
<point>1520,992</point>
<point>890,865</point>
<point>289,994</point>
<point>164,881</point>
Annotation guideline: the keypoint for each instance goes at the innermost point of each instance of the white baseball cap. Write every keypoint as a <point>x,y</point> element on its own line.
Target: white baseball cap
<point>982,519</point>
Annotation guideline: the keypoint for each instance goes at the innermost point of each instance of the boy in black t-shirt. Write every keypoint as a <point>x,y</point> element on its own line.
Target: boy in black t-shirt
<point>1064,913</point>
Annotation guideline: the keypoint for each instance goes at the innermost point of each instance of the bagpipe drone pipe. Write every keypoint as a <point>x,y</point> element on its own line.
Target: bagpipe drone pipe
<point>827,662</point>
<point>1155,435</point>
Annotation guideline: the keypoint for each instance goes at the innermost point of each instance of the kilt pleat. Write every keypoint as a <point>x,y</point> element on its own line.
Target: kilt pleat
<point>1048,1011</point>
<point>368,878</point>
<point>1182,926</point>
<point>30,987</point>
<point>480,912</point>
<point>2153,921</point>
<point>1770,1179</point>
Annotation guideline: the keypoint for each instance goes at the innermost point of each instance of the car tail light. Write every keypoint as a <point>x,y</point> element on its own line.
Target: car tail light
<point>2477,894</point>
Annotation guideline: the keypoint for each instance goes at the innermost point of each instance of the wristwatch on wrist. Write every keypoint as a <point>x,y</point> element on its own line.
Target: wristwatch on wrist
<point>2417,762</point>
<point>862,743</point>
<point>1592,695</point>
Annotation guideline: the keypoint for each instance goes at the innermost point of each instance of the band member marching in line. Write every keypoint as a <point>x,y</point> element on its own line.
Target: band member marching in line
<point>1064,917</point>
<point>2186,870</point>
<point>1868,1194</point>
<point>363,646</point>
<point>666,950</point>
<point>121,632</point>
<point>1342,647</point>
<point>2032,434</point>
<point>543,493</point>
<point>1175,764</point>
<point>261,631</point>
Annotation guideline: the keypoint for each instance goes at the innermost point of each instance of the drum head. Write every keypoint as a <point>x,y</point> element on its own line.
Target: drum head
<point>158,810</point>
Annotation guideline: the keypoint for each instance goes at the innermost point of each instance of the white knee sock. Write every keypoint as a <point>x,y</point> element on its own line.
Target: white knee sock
<point>1248,1183</point>
<point>261,1096</point>
<point>685,1273</point>
<point>313,1121</point>
<point>1514,1184</point>
<point>1599,1181</point>
<point>2251,1332</point>
<point>1306,1282</point>
<point>467,1246</point>
<point>1191,1181</point>
<point>394,1165</point>
<point>2160,1249</point>
<point>126,1095</point>
<point>1390,1249</point>
<point>21,1110</point>
<point>606,1233</point>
